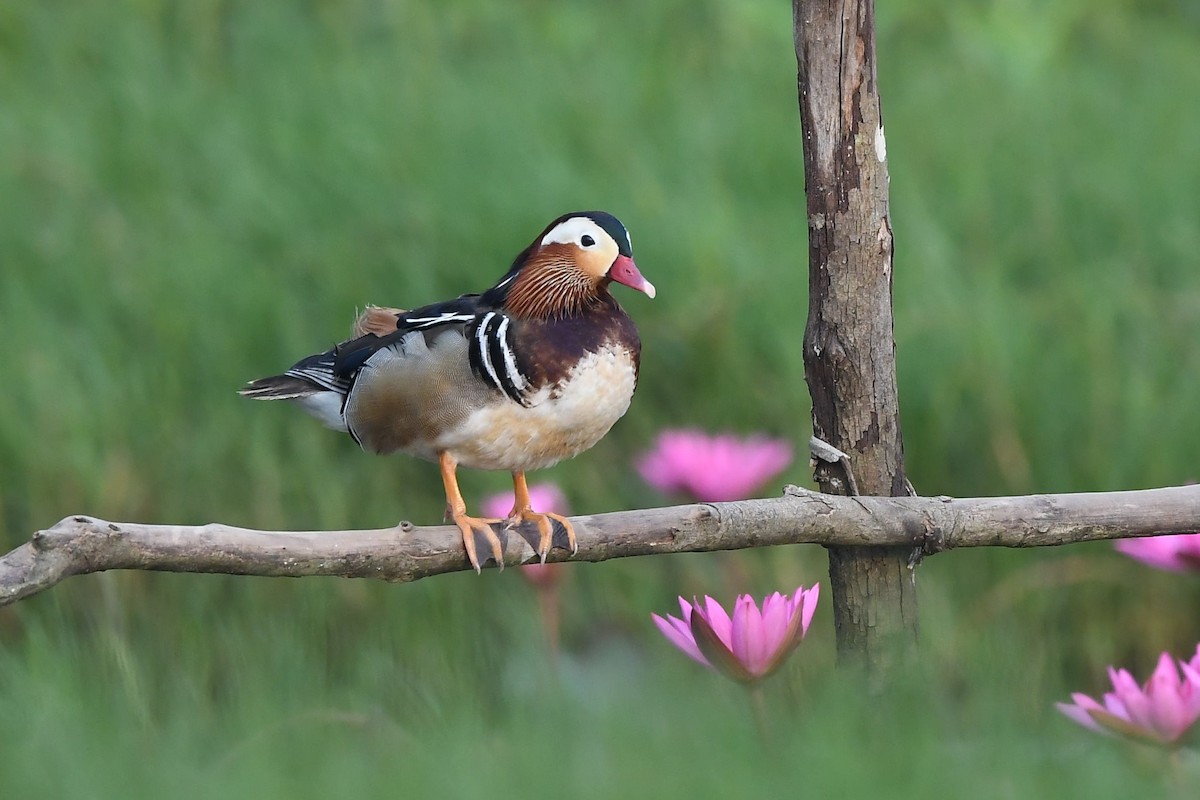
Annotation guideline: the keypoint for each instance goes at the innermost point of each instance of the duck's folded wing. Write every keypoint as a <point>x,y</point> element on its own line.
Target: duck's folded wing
<point>321,383</point>
<point>378,328</point>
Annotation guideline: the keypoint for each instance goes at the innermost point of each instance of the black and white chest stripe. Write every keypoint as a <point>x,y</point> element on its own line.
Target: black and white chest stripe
<point>492,356</point>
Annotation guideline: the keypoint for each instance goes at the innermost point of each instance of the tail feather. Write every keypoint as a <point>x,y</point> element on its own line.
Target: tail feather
<point>322,403</point>
<point>313,384</point>
<point>305,378</point>
<point>280,387</point>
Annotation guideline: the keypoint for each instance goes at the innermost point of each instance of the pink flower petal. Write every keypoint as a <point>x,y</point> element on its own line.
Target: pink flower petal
<point>809,607</point>
<point>1114,705</point>
<point>1080,711</point>
<point>1137,705</point>
<point>797,627</point>
<point>1175,552</point>
<point>1191,675</point>
<point>686,608</point>
<point>1190,691</point>
<point>679,633</point>
<point>1165,675</point>
<point>1125,728</point>
<point>749,640</point>
<point>1167,715</point>
<point>717,652</point>
<point>776,614</point>
<point>714,614</point>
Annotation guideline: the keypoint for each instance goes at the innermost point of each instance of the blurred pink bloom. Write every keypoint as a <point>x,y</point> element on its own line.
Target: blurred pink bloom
<point>1177,552</point>
<point>542,496</point>
<point>1159,712</point>
<point>713,468</point>
<point>749,646</point>
<point>542,576</point>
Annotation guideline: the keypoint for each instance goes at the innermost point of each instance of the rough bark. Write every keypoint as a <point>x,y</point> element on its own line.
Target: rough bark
<point>849,351</point>
<point>80,545</point>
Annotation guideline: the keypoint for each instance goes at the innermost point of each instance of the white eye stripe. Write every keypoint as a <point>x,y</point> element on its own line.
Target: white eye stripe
<point>573,230</point>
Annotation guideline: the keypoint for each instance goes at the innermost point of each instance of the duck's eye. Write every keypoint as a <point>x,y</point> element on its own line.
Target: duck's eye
<point>587,241</point>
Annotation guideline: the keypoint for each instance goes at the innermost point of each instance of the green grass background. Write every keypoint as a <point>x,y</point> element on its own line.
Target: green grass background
<point>196,193</point>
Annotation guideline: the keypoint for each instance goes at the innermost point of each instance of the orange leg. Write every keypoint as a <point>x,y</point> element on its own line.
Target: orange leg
<point>470,526</point>
<point>523,512</point>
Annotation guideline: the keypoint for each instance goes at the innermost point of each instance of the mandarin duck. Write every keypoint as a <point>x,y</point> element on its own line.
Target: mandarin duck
<point>532,371</point>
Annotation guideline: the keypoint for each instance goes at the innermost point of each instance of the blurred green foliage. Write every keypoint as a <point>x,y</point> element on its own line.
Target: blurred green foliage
<point>196,193</point>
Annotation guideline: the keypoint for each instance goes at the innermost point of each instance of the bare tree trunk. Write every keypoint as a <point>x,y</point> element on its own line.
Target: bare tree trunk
<point>849,350</point>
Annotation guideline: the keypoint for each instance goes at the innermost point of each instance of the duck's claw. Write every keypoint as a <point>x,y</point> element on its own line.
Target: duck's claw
<point>545,526</point>
<point>477,534</point>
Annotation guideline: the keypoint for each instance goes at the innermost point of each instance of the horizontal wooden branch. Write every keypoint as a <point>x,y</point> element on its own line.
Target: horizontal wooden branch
<point>79,545</point>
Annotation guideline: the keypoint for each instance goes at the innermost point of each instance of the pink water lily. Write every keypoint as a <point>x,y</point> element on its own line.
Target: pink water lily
<point>1178,552</point>
<point>1160,712</point>
<point>713,468</point>
<point>749,645</point>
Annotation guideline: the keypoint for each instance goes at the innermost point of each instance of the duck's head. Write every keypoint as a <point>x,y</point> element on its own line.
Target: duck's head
<point>571,264</point>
